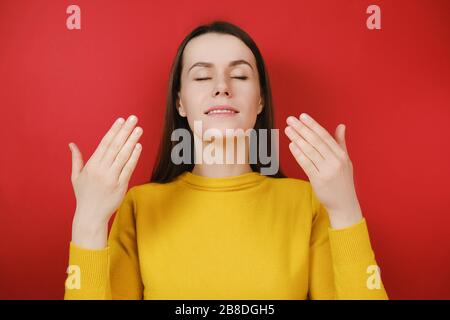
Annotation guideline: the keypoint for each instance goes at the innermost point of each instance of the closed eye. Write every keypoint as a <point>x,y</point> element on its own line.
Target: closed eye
<point>241,78</point>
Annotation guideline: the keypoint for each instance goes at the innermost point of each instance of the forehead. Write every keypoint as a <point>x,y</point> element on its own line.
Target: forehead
<point>217,49</point>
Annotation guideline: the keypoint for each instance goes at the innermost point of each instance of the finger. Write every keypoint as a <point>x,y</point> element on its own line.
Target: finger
<point>312,137</point>
<point>77,161</point>
<point>323,133</point>
<point>118,141</point>
<point>106,140</point>
<point>306,164</point>
<point>306,147</point>
<point>126,151</point>
<point>340,136</point>
<point>128,169</point>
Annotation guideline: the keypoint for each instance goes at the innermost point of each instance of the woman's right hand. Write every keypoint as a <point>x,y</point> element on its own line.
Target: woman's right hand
<point>101,184</point>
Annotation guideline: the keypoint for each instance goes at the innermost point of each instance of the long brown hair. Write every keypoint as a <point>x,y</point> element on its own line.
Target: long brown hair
<point>165,170</point>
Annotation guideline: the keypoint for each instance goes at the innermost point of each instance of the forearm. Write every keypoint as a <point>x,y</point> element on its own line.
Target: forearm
<point>356,272</point>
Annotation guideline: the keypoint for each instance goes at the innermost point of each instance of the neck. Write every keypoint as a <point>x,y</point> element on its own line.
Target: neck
<point>221,170</point>
<point>224,168</point>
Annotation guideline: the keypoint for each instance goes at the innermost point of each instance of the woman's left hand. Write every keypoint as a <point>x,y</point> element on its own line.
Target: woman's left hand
<point>328,167</point>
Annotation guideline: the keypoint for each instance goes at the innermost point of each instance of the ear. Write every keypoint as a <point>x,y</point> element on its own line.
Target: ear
<point>180,108</point>
<point>261,105</point>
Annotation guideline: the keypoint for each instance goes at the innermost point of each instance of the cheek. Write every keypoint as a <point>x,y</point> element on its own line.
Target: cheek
<point>194,101</point>
<point>248,93</point>
<point>250,103</point>
<point>249,120</point>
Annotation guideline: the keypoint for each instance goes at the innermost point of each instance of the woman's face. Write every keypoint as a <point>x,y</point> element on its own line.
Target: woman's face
<point>219,70</point>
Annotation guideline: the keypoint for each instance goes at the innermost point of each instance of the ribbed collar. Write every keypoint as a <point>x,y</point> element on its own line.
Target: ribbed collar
<point>242,181</point>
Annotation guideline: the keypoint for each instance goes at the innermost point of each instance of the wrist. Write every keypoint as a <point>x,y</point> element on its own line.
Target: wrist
<point>340,219</point>
<point>88,219</point>
<point>89,235</point>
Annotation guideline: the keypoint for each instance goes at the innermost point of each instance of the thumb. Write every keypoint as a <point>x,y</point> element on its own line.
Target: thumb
<point>340,136</point>
<point>77,160</point>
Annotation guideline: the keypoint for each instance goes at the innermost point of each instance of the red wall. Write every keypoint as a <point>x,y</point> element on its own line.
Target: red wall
<point>389,86</point>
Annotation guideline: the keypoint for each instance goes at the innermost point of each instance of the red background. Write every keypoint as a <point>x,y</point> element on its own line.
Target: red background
<point>390,87</point>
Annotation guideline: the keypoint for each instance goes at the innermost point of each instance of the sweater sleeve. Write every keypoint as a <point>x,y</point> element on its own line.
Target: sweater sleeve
<point>342,262</point>
<point>112,272</point>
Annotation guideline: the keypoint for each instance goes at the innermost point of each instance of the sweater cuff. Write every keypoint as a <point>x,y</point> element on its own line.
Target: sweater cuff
<point>93,267</point>
<point>351,245</point>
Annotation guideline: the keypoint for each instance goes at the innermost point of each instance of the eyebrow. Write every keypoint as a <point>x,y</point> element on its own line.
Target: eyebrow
<point>209,64</point>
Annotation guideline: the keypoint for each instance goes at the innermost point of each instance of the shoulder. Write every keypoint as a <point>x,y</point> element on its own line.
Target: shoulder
<point>290,184</point>
<point>303,190</point>
<point>296,195</point>
<point>148,190</point>
<point>293,190</point>
<point>151,187</point>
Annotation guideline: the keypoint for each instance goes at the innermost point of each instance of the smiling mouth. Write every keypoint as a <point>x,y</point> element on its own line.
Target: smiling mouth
<point>221,112</point>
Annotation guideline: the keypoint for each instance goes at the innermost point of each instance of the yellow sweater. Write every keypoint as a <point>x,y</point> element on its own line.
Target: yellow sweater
<point>243,237</point>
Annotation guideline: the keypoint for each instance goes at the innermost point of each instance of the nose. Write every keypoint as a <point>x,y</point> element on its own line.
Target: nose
<point>222,93</point>
<point>222,89</point>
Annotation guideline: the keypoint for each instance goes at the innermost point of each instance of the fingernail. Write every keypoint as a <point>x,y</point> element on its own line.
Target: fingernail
<point>137,131</point>
<point>120,120</point>
<point>304,116</point>
<point>70,146</point>
<point>132,119</point>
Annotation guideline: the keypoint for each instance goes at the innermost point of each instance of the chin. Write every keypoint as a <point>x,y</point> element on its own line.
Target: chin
<point>233,129</point>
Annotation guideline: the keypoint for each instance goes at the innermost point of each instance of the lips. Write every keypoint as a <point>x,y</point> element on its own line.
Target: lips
<point>221,110</point>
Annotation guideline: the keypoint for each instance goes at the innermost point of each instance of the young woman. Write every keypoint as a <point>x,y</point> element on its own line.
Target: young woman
<point>219,230</point>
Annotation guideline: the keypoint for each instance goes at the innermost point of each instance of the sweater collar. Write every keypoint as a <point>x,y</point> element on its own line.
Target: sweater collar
<point>242,181</point>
